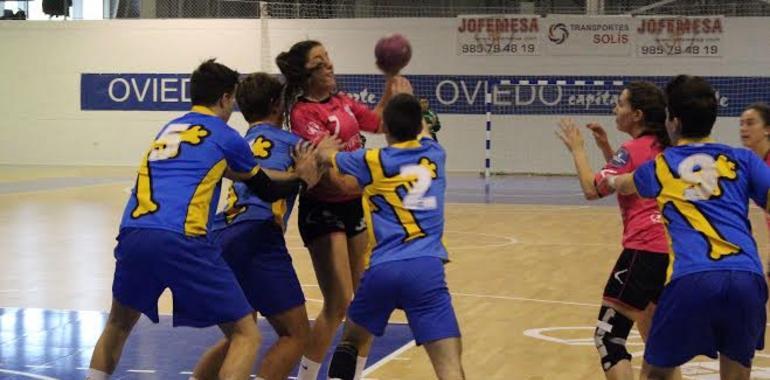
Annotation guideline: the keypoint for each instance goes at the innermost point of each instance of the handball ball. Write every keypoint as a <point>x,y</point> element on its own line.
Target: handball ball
<point>393,52</point>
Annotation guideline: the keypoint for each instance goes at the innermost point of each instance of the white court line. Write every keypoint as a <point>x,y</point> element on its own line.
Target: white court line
<point>82,368</point>
<point>390,357</point>
<point>41,366</point>
<point>533,196</point>
<point>18,290</point>
<point>62,188</point>
<point>185,373</point>
<point>26,374</point>
<point>525,299</point>
<point>141,370</point>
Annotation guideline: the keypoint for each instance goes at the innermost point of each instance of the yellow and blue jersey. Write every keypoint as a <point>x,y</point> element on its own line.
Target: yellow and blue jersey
<point>703,191</point>
<point>404,186</point>
<point>182,173</point>
<point>271,147</point>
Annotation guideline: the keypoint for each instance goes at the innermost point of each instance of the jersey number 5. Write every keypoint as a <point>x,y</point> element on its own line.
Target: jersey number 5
<point>166,146</point>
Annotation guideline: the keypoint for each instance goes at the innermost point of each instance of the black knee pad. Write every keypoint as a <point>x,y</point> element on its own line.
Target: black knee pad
<point>610,336</point>
<point>343,364</point>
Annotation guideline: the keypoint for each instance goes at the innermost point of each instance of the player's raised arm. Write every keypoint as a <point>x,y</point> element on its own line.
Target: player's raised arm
<point>272,185</point>
<point>600,137</point>
<point>573,140</point>
<point>623,183</point>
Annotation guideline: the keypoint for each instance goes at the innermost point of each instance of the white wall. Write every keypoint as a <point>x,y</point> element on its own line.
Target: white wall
<point>41,63</point>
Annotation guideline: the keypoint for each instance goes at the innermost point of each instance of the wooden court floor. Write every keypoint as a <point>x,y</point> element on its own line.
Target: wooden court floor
<point>526,279</point>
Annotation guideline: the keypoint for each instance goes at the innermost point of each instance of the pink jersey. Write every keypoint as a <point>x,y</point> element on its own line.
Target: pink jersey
<point>642,224</point>
<point>338,114</point>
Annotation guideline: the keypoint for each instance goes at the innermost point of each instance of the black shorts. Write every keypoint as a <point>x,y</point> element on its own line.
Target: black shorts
<point>318,218</point>
<point>637,279</point>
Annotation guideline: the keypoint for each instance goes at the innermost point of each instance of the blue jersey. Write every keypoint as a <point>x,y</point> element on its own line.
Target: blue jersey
<point>182,172</point>
<point>703,192</point>
<point>403,200</point>
<point>272,149</point>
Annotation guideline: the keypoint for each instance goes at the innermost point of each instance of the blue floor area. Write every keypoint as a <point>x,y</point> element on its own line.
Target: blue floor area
<point>52,344</point>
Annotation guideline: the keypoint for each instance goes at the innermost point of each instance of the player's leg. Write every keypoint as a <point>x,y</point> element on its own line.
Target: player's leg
<point>732,370</point>
<point>210,362</point>
<point>445,356</point>
<point>650,372</point>
<point>329,254</point>
<point>205,293</point>
<point>632,288</point>
<point>293,331</point>
<point>428,306</point>
<point>256,252</point>
<point>358,241</point>
<point>368,315</point>
<point>110,344</point>
<point>684,324</point>
<point>242,351</point>
<point>743,324</point>
<point>346,362</point>
<point>610,337</point>
<point>135,290</point>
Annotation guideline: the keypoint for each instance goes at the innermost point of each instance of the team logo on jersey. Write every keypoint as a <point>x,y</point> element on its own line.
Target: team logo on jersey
<point>313,128</point>
<point>169,144</point>
<point>233,208</point>
<point>165,147</point>
<point>620,158</point>
<point>700,179</point>
<point>262,147</point>
<point>349,111</point>
<point>702,174</point>
<point>430,165</point>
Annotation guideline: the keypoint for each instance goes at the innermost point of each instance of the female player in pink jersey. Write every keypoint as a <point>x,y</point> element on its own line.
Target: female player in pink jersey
<point>755,134</point>
<point>331,219</point>
<point>639,275</point>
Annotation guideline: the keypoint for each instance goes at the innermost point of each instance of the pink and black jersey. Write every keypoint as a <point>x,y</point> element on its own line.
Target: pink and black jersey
<point>338,114</point>
<point>642,225</point>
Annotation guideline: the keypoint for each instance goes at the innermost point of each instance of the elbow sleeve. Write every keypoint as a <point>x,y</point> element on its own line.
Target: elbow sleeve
<point>269,190</point>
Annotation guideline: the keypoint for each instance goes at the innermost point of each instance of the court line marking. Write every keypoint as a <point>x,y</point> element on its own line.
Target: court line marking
<point>141,370</point>
<point>507,298</point>
<point>39,366</point>
<point>62,188</point>
<point>510,298</point>
<point>390,357</point>
<point>26,374</point>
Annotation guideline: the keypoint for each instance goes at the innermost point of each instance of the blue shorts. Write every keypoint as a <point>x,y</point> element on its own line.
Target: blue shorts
<point>416,286</point>
<point>256,252</point>
<point>706,313</point>
<point>205,291</point>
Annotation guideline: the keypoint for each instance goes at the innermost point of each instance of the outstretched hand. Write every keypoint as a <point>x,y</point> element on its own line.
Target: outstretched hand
<point>305,165</point>
<point>600,135</point>
<point>569,134</point>
<point>326,147</point>
<point>398,84</point>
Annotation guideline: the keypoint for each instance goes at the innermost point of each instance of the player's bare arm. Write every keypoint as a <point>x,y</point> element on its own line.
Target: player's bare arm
<point>623,183</point>
<point>573,140</point>
<point>601,139</point>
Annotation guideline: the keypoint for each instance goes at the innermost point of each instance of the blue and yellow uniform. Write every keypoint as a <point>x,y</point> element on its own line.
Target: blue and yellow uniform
<point>163,241</point>
<point>404,186</point>
<point>715,299</point>
<point>250,230</point>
